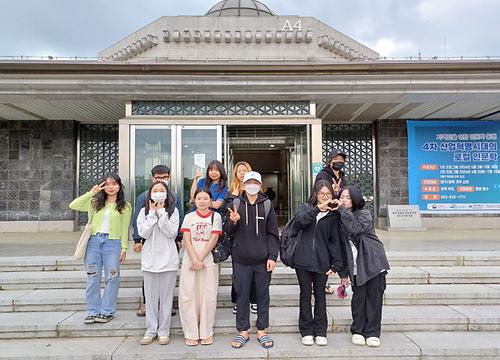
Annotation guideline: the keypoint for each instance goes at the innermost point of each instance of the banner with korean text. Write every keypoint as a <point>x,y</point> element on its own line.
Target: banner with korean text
<point>453,166</point>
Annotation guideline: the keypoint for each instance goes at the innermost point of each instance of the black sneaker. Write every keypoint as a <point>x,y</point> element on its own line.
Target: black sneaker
<point>89,319</point>
<point>101,318</point>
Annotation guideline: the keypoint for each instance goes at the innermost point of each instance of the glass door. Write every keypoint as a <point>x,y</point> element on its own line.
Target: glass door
<point>151,145</point>
<point>197,147</point>
<point>182,148</point>
<point>299,178</point>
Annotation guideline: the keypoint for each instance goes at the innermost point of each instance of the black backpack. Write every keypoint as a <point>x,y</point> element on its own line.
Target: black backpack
<point>288,242</point>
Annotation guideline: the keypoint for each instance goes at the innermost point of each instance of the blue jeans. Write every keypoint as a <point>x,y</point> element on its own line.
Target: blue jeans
<point>102,251</point>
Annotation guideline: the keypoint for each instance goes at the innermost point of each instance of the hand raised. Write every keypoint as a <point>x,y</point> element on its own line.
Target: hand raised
<point>198,173</point>
<point>325,206</point>
<point>335,204</point>
<point>234,216</point>
<point>98,188</point>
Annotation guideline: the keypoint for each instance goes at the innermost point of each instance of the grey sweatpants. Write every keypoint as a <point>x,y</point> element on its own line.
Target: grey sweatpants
<point>159,290</point>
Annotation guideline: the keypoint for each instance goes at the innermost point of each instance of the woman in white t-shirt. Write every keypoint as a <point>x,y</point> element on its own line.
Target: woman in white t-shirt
<point>158,224</point>
<point>199,279</point>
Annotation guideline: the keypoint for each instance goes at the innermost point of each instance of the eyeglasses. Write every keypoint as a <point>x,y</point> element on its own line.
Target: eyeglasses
<point>161,177</point>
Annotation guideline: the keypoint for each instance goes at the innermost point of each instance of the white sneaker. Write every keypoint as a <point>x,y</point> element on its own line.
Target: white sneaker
<point>307,340</point>
<point>373,341</point>
<point>321,341</point>
<point>358,339</point>
<point>163,340</point>
<point>146,340</point>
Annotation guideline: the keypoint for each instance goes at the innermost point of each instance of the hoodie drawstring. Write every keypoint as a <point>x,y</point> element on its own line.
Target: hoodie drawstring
<point>257,218</point>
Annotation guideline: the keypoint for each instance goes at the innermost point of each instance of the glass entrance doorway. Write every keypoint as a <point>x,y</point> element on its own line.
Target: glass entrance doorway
<point>281,153</point>
<point>182,148</point>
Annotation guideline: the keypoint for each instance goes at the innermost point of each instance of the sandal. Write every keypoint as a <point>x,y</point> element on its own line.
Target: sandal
<point>240,340</point>
<point>141,312</point>
<point>191,342</point>
<point>266,341</point>
<point>208,341</point>
<point>329,289</point>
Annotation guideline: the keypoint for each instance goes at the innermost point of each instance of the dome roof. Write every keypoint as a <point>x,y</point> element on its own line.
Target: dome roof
<point>239,8</point>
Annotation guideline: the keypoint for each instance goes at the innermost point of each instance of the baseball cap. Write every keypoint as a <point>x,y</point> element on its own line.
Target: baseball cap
<point>252,175</point>
<point>336,152</point>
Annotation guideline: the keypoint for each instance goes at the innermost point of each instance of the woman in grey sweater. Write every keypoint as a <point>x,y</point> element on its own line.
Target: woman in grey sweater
<point>368,266</point>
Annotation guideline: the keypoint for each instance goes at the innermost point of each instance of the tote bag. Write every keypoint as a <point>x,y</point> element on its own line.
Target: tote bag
<point>81,247</point>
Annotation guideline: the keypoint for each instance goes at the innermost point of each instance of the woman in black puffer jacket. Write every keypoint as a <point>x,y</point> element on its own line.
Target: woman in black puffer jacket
<point>319,253</point>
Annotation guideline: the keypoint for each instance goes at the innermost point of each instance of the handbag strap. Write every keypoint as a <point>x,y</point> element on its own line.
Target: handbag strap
<point>90,215</point>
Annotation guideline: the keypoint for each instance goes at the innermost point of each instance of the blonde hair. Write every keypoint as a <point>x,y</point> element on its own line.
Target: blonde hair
<point>235,183</point>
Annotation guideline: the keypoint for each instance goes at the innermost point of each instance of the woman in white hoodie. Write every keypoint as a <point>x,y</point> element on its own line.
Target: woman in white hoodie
<point>158,224</point>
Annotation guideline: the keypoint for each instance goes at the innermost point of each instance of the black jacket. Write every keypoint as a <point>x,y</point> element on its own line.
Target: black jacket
<point>255,236</point>
<point>320,248</point>
<point>327,174</point>
<point>358,227</point>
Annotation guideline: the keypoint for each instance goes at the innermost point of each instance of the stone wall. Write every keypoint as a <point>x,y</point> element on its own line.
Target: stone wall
<point>392,164</point>
<point>37,170</point>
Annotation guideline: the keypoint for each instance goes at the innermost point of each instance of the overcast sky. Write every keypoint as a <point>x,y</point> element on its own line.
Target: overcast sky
<point>394,28</point>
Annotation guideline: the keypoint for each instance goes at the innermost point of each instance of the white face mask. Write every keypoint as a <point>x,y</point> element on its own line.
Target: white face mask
<point>158,196</point>
<point>252,189</point>
<point>166,182</point>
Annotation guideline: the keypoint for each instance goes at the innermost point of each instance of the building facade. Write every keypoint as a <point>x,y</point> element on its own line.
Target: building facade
<point>238,83</point>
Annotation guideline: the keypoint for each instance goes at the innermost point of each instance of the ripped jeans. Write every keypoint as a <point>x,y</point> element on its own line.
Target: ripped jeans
<point>101,251</point>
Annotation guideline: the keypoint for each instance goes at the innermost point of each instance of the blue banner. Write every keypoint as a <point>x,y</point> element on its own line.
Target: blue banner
<point>453,166</point>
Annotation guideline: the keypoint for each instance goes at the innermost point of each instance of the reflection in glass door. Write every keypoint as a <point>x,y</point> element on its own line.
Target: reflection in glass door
<point>182,148</point>
<point>198,146</point>
<point>299,176</point>
<point>152,145</point>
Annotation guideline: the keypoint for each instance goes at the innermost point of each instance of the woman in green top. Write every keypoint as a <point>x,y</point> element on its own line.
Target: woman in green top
<point>110,213</point>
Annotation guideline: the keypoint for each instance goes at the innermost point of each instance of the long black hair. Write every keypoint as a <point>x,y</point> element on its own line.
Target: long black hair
<point>358,202</point>
<point>216,164</point>
<point>99,200</point>
<point>320,184</point>
<point>169,202</point>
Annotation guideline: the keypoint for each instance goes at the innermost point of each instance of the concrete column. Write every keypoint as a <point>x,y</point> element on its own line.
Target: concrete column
<point>316,141</point>
<point>124,157</point>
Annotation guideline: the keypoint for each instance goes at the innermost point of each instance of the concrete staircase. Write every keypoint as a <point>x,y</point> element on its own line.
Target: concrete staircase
<point>441,304</point>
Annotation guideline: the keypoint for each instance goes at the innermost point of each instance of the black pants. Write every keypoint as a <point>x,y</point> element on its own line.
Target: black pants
<point>309,325</point>
<point>244,277</point>
<point>253,296</point>
<point>366,306</point>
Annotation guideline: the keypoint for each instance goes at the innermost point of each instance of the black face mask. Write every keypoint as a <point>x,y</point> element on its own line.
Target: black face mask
<point>337,165</point>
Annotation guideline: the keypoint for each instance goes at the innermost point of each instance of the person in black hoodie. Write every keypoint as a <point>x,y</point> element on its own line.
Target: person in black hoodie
<point>333,173</point>
<point>319,253</point>
<point>255,250</point>
<point>367,264</point>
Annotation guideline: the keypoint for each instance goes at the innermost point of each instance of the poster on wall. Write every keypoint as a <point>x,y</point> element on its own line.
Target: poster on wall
<point>453,166</point>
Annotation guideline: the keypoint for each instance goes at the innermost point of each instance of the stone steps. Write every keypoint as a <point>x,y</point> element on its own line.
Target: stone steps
<point>283,320</point>
<point>438,305</point>
<point>396,259</point>
<point>395,345</point>
<point>281,295</point>
<point>21,280</point>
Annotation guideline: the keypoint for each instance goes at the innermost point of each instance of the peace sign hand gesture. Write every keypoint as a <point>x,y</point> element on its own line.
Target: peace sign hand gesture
<point>98,188</point>
<point>234,216</point>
